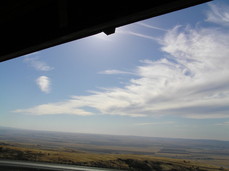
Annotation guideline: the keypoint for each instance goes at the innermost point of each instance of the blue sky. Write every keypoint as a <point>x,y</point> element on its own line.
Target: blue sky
<point>166,76</point>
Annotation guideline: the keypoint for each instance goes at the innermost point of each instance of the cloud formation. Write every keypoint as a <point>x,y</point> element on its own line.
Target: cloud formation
<point>156,123</point>
<point>37,64</point>
<point>152,27</point>
<point>218,14</point>
<point>226,123</point>
<point>55,108</point>
<point>141,35</point>
<point>44,83</point>
<point>113,71</point>
<point>191,80</point>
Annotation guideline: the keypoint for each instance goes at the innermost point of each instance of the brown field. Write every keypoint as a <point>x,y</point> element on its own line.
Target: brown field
<point>116,161</point>
<point>118,152</point>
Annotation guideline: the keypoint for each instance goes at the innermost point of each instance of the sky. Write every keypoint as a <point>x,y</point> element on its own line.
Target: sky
<point>166,76</point>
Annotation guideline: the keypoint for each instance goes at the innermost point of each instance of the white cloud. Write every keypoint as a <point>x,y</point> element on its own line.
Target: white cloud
<point>111,72</point>
<point>226,123</point>
<point>133,33</point>
<point>37,64</point>
<point>191,81</point>
<point>55,108</point>
<point>44,83</point>
<point>150,26</point>
<point>218,14</point>
<point>155,123</point>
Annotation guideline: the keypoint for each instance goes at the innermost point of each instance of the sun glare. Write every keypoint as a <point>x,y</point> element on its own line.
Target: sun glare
<point>102,36</point>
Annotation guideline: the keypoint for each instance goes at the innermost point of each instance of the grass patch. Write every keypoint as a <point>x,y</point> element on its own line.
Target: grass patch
<point>116,161</point>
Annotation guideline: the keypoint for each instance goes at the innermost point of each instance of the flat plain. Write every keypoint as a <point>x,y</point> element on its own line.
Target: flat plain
<point>118,152</point>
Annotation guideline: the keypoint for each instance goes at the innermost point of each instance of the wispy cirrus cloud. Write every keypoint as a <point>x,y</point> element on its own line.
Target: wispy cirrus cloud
<point>191,80</point>
<point>112,72</point>
<point>43,83</point>
<point>38,64</point>
<point>226,123</point>
<point>218,14</point>
<point>155,123</point>
<point>56,109</point>
<point>137,34</point>
<point>152,27</point>
<point>143,35</point>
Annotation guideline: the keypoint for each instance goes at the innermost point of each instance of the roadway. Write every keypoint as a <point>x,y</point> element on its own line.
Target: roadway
<point>47,166</point>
